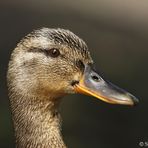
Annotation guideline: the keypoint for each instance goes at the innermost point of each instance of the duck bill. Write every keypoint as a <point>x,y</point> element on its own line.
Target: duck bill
<point>93,84</point>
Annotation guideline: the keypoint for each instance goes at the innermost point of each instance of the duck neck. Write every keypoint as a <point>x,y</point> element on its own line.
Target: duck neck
<point>36,122</point>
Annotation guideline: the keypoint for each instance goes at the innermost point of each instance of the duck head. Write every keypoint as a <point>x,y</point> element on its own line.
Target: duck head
<point>56,62</point>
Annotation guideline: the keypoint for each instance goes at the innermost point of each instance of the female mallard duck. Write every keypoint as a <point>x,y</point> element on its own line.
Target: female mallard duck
<point>46,65</point>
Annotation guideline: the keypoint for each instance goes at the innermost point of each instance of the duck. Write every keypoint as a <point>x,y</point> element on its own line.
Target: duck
<point>46,65</point>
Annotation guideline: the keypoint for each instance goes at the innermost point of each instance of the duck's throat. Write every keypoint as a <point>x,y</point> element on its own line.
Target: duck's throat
<point>36,123</point>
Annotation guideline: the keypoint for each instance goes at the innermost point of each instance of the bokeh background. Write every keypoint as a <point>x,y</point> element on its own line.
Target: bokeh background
<point>116,32</point>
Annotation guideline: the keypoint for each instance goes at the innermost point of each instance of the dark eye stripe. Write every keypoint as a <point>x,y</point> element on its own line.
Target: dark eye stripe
<point>80,65</point>
<point>34,49</point>
<point>53,52</point>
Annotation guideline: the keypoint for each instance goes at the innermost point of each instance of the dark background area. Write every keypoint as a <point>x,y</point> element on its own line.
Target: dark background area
<point>117,35</point>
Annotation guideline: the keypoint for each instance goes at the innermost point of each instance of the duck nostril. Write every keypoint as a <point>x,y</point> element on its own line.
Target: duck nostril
<point>74,82</point>
<point>95,78</point>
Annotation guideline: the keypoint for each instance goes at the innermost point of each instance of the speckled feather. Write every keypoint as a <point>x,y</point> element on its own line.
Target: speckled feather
<point>36,82</point>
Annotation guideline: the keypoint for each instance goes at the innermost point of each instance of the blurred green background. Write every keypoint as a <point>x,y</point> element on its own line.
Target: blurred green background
<point>116,32</point>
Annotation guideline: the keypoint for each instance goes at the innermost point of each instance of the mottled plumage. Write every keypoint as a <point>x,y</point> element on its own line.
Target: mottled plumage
<point>36,83</point>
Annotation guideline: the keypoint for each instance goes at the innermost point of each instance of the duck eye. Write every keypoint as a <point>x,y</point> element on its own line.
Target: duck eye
<point>54,52</point>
